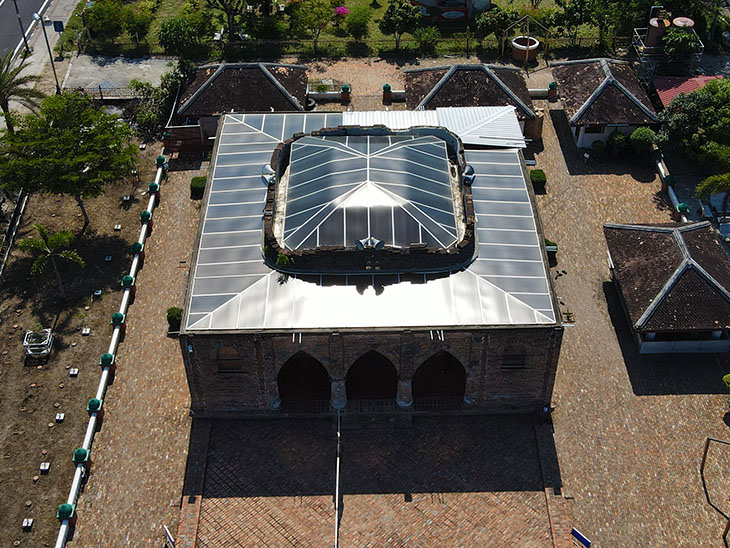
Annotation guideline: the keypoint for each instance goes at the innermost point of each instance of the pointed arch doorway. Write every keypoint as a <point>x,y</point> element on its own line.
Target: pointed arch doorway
<point>371,377</point>
<point>440,377</point>
<point>302,378</point>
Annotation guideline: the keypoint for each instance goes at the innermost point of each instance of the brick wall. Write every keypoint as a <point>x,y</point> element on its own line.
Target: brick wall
<point>254,386</point>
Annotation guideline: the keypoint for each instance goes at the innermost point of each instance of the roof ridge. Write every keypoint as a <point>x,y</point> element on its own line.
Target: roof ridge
<point>435,89</point>
<point>663,292</point>
<point>633,98</point>
<point>654,228</point>
<point>511,94</point>
<point>288,96</point>
<point>194,97</point>
<point>585,106</point>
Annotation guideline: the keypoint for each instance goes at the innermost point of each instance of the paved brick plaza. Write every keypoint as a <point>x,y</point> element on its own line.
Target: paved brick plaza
<point>629,431</point>
<point>139,455</point>
<point>466,481</point>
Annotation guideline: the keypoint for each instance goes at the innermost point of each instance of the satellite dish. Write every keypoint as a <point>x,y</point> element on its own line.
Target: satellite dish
<point>378,244</point>
<point>468,170</point>
<point>360,244</point>
<point>267,170</point>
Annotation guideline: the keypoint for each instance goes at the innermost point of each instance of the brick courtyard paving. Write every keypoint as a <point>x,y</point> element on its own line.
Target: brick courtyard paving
<point>139,455</point>
<point>469,481</point>
<point>629,430</point>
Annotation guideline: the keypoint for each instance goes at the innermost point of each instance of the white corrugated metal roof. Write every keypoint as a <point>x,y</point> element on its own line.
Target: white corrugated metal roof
<point>488,126</point>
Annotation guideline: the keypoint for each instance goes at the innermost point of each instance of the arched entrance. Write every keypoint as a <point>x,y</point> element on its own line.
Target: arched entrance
<point>440,376</point>
<point>303,378</point>
<point>372,377</point>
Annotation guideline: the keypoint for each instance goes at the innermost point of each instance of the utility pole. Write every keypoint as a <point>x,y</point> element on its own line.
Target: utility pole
<point>22,30</point>
<point>38,18</point>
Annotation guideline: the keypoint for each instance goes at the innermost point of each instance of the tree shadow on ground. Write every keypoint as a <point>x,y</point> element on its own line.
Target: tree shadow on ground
<point>641,170</point>
<point>187,161</point>
<point>41,294</point>
<point>436,455</point>
<point>662,374</point>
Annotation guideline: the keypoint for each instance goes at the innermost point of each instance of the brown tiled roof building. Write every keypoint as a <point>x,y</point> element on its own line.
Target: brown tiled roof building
<point>672,278</point>
<point>243,87</point>
<point>468,86</point>
<point>602,91</point>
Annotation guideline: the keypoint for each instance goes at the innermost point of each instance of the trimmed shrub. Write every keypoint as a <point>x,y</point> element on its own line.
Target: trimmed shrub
<point>538,179</point>
<point>197,187</point>
<point>617,143</point>
<point>598,146</point>
<point>642,139</point>
<point>174,318</point>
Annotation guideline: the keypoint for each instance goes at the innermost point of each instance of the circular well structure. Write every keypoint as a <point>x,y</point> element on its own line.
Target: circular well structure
<point>522,44</point>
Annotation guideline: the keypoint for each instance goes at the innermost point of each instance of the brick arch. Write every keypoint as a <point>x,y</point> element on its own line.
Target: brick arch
<point>391,354</point>
<point>302,378</point>
<point>441,375</point>
<point>429,351</point>
<point>284,357</point>
<point>372,376</point>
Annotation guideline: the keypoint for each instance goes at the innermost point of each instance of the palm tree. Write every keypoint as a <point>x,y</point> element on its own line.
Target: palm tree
<point>14,87</point>
<point>715,184</point>
<point>49,248</point>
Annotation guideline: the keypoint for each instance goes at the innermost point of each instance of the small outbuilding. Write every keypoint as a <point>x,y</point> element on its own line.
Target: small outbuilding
<point>601,96</point>
<point>216,89</point>
<point>674,283</point>
<point>472,86</point>
<point>668,87</point>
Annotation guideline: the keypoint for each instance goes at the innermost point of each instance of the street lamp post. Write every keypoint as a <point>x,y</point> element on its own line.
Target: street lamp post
<point>37,17</point>
<point>22,31</point>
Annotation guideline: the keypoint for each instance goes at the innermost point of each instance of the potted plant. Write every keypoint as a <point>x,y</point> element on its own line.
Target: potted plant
<point>174,319</point>
<point>387,94</point>
<point>197,187</point>
<point>345,93</point>
<point>538,180</point>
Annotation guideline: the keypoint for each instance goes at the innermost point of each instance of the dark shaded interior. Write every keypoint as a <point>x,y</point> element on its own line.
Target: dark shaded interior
<point>302,378</point>
<point>440,376</point>
<point>371,377</point>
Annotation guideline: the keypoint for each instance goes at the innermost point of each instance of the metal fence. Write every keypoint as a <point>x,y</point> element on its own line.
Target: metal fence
<point>457,45</point>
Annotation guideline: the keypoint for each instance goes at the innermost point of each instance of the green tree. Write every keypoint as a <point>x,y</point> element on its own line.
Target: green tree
<point>401,16</point>
<point>47,249</point>
<point>312,18</point>
<point>15,87</point>
<point>572,14</point>
<point>182,34</point>
<point>103,20</point>
<point>358,21</point>
<point>680,41</point>
<point>715,184</point>
<point>496,21</point>
<point>231,8</point>
<point>427,38</point>
<point>137,21</point>
<point>71,148</point>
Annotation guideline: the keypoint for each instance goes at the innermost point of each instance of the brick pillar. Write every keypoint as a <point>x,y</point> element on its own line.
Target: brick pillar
<point>338,394</point>
<point>404,398</point>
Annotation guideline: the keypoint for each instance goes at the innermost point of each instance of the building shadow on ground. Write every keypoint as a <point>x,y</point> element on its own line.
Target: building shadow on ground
<point>275,458</point>
<point>641,170</point>
<point>662,374</point>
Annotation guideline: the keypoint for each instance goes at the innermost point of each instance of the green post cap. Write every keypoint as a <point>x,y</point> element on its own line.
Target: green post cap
<point>160,161</point>
<point>346,88</point>
<point>682,207</point>
<point>106,359</point>
<point>137,247</point>
<point>669,180</point>
<point>386,87</point>
<point>65,511</point>
<point>80,455</point>
<point>153,187</point>
<point>127,281</point>
<point>117,318</point>
<point>93,405</point>
<point>553,85</point>
<point>145,215</point>
<point>726,380</point>
<point>165,135</point>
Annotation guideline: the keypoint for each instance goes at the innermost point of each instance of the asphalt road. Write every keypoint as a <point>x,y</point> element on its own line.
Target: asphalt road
<point>9,29</point>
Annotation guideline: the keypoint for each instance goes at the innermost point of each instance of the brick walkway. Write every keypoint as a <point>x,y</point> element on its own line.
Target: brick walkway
<point>629,431</point>
<point>139,455</point>
<point>468,481</point>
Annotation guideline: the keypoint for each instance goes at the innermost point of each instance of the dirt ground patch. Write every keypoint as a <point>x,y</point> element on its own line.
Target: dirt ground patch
<point>30,395</point>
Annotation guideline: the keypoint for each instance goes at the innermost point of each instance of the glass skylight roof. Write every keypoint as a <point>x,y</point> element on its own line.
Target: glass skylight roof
<point>396,189</point>
<point>233,289</point>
